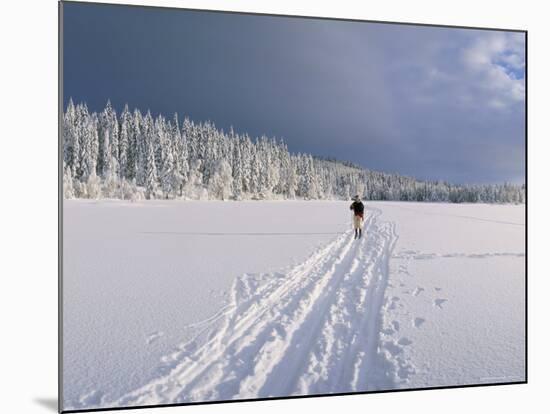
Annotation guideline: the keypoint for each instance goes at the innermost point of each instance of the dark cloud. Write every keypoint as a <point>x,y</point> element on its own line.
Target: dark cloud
<point>430,102</point>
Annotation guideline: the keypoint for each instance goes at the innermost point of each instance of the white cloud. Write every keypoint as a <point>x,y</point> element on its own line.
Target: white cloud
<point>496,61</point>
<point>484,49</point>
<point>514,60</point>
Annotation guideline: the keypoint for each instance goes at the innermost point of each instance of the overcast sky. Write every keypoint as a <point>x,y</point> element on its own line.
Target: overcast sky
<point>433,103</point>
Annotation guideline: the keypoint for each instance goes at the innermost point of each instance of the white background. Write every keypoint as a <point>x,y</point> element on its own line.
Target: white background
<point>28,190</point>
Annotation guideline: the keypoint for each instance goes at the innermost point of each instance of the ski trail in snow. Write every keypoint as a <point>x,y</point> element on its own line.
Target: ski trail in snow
<point>313,330</point>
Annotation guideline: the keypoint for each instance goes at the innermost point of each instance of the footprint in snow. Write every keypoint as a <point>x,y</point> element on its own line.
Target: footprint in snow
<point>395,325</point>
<point>418,322</point>
<point>393,303</point>
<point>418,291</point>
<point>393,348</point>
<point>404,341</point>
<point>439,302</point>
<point>152,337</point>
<point>93,397</point>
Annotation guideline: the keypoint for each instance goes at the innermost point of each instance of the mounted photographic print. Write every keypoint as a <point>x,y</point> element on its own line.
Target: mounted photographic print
<point>258,206</point>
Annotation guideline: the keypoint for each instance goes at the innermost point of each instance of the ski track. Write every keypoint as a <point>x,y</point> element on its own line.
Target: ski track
<point>314,330</point>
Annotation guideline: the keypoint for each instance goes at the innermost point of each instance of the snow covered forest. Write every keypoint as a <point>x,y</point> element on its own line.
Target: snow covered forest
<point>135,156</point>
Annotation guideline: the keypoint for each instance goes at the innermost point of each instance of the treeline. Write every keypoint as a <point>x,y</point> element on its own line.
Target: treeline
<point>135,156</point>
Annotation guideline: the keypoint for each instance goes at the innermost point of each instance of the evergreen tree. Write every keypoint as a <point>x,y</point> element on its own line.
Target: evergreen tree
<point>237,169</point>
<point>180,154</point>
<point>125,141</point>
<point>146,139</point>
<point>68,187</point>
<point>69,134</point>
<point>108,141</point>
<point>185,158</point>
<point>151,184</point>
<point>170,177</point>
<point>134,146</point>
<point>221,181</point>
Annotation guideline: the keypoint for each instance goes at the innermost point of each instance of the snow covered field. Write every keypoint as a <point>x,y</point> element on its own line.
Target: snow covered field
<point>190,301</point>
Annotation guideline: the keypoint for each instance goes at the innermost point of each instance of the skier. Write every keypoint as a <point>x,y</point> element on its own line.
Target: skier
<point>358,209</point>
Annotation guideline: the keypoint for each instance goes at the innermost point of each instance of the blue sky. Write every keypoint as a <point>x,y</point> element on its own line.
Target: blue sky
<point>434,103</point>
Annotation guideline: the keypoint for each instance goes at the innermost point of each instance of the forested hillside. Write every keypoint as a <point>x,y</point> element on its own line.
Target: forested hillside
<point>132,155</point>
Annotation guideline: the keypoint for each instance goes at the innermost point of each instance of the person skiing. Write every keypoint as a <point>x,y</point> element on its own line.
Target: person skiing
<point>358,209</point>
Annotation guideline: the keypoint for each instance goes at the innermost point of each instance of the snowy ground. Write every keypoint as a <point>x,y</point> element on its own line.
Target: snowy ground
<point>190,301</point>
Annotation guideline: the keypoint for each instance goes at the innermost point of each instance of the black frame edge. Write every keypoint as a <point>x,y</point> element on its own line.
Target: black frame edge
<point>297,16</point>
<point>60,207</point>
<point>526,213</point>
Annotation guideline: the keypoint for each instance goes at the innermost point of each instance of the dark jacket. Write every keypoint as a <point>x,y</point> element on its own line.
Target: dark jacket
<point>358,208</point>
